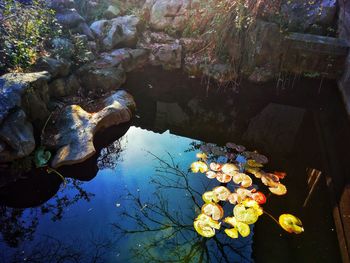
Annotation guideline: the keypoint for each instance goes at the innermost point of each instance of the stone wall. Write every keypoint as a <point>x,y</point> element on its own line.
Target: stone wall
<point>344,33</point>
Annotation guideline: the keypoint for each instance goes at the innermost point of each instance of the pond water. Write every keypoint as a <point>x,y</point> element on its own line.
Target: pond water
<point>136,200</point>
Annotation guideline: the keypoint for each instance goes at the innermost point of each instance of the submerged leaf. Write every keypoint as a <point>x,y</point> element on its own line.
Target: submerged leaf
<point>291,223</point>
<point>41,157</point>
<point>199,166</point>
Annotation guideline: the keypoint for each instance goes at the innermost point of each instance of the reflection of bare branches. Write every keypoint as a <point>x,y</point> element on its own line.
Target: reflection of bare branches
<point>53,250</point>
<point>165,233</point>
<point>110,156</point>
<point>18,224</point>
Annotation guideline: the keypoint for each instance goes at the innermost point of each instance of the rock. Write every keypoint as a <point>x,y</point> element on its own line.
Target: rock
<point>69,18</point>
<point>28,91</point>
<point>56,68</point>
<point>75,128</point>
<point>301,15</point>
<point>128,58</point>
<point>167,14</point>
<point>169,56</point>
<point>16,132</point>
<point>63,48</point>
<point>84,29</point>
<point>101,79</point>
<point>64,87</point>
<point>111,12</point>
<point>98,28</point>
<point>123,32</point>
<point>59,5</point>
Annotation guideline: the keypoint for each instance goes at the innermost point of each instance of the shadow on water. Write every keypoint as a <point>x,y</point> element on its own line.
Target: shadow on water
<point>141,209</point>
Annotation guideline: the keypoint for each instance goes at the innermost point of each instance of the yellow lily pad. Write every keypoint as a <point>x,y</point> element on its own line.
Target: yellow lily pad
<point>255,164</point>
<point>291,223</point>
<point>243,179</point>
<point>280,189</point>
<point>230,169</point>
<point>221,193</point>
<point>209,197</point>
<point>205,225</point>
<point>247,212</point>
<point>213,210</point>
<point>223,178</point>
<point>199,166</point>
<point>202,156</point>
<point>231,232</point>
<point>241,227</point>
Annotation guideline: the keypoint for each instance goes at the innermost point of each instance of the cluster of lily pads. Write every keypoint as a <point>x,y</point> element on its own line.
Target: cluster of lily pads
<point>237,166</point>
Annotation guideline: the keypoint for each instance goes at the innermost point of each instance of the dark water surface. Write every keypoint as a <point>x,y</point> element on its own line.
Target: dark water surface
<point>136,200</point>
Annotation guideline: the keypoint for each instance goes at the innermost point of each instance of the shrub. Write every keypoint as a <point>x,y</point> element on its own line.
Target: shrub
<point>26,28</point>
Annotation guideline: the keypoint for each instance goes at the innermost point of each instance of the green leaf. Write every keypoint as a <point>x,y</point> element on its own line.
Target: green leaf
<point>41,157</point>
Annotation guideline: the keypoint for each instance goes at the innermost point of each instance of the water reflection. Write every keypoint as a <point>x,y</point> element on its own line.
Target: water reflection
<point>163,224</point>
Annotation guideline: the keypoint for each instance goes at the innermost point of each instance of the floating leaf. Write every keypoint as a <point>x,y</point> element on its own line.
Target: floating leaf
<point>241,227</point>
<point>242,179</point>
<point>238,148</point>
<point>223,178</point>
<point>291,223</point>
<point>213,210</point>
<point>257,157</point>
<point>221,193</point>
<point>259,197</point>
<point>41,157</point>
<point>280,189</point>
<point>230,169</point>
<point>280,175</point>
<point>211,174</point>
<point>255,164</point>
<point>270,180</point>
<point>202,156</point>
<point>216,167</point>
<point>231,232</point>
<point>205,225</point>
<point>247,212</point>
<point>254,171</point>
<point>199,166</point>
<point>209,197</point>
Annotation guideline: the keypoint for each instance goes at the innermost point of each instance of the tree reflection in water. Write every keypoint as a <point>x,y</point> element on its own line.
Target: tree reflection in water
<point>110,156</point>
<point>166,229</point>
<point>19,224</point>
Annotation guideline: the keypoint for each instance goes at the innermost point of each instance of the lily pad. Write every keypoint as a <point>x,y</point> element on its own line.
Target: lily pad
<point>213,210</point>
<point>205,226</point>
<point>243,179</point>
<point>291,223</point>
<point>230,169</point>
<point>199,166</point>
<point>221,193</point>
<point>216,167</point>
<point>280,189</point>
<point>223,178</point>
<point>247,212</point>
<point>242,228</point>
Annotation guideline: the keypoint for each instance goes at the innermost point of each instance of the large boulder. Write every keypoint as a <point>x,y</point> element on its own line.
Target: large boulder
<point>128,58</point>
<point>74,130</point>
<point>69,18</point>
<point>28,91</point>
<point>16,137</point>
<point>56,68</point>
<point>123,32</point>
<point>98,79</point>
<point>23,100</point>
<point>167,14</point>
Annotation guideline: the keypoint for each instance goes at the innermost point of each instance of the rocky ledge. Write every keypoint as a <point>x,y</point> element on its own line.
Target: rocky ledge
<point>71,134</point>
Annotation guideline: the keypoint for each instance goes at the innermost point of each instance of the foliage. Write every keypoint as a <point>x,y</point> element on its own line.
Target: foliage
<point>25,30</point>
<point>234,163</point>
